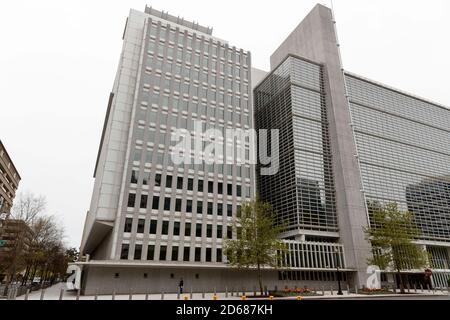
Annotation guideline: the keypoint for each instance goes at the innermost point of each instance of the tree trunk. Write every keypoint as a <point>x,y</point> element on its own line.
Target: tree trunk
<point>12,276</point>
<point>34,272</point>
<point>26,275</point>
<point>260,280</point>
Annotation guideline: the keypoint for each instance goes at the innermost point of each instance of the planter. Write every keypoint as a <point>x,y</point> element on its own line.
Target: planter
<point>283,294</point>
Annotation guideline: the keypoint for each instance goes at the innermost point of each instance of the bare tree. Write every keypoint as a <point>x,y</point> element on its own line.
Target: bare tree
<point>48,246</point>
<point>25,210</point>
<point>28,207</point>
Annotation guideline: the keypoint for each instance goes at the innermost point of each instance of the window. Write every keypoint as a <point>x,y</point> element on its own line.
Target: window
<point>189,206</point>
<point>178,205</point>
<point>229,210</point>
<point>186,253</point>
<point>138,252</point>
<point>229,232</point>
<point>239,232</point>
<point>198,230</point>
<point>134,177</point>
<point>149,155</point>
<point>180,183</point>
<point>210,208</point>
<point>169,182</point>
<point>131,200</point>
<point>219,209</point>
<point>137,155</point>
<point>190,184</point>
<point>200,186</point>
<point>187,229</point>
<point>158,180</point>
<point>198,254</point>
<point>199,207</point>
<point>163,253</point>
<point>155,204</point>
<point>128,225</point>
<point>140,227</point>
<point>219,231</point>
<point>165,228</point>
<point>174,253</point>
<point>176,228</point>
<point>209,231</point>
<point>210,186</point>
<point>144,198</point>
<point>166,204</point>
<point>219,255</point>
<point>124,251</point>
<point>146,178</point>
<point>153,224</point>
<point>208,254</point>
<point>239,190</point>
<point>238,211</point>
<point>229,189</point>
<point>220,188</point>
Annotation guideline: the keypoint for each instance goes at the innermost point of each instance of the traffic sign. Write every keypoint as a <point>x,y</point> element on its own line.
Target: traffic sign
<point>2,243</point>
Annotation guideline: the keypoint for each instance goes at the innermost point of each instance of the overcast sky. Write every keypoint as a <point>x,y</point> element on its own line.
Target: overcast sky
<point>58,60</point>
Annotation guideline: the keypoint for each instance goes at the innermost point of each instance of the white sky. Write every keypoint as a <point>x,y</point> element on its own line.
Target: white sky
<point>58,60</point>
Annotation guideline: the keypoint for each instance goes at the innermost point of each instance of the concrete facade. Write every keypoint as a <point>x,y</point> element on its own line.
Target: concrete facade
<point>172,74</point>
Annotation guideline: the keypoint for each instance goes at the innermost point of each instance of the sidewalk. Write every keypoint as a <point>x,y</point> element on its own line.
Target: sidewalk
<point>53,293</point>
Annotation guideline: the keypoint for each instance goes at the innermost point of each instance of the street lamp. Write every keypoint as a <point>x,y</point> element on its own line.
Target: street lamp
<point>339,293</point>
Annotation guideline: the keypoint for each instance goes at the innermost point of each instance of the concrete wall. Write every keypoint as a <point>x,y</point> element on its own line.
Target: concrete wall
<point>102,280</point>
<point>315,39</point>
<point>113,151</point>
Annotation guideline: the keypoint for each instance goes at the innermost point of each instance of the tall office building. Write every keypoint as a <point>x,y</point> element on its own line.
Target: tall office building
<point>151,221</point>
<point>346,142</point>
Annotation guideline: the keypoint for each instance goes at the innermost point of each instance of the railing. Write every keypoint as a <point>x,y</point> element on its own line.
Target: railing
<point>60,293</point>
<point>16,290</point>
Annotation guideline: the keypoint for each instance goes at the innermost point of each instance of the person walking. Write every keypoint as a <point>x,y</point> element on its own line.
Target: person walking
<point>181,285</point>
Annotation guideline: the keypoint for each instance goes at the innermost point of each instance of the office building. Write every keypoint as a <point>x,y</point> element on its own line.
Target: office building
<point>151,221</point>
<point>346,142</point>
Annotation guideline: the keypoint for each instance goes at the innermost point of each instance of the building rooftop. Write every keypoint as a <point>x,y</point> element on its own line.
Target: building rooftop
<point>179,20</point>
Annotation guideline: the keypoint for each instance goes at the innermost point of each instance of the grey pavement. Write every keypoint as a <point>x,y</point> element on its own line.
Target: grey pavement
<point>54,293</point>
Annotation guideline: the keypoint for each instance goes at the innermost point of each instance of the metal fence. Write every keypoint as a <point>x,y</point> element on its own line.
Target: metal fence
<point>17,290</point>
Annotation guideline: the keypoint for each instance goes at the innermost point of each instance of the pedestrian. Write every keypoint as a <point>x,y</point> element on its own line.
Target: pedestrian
<point>180,285</point>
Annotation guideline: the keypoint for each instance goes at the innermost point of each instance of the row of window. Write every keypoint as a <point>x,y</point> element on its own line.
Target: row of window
<point>166,205</point>
<point>194,42</point>
<point>311,276</point>
<point>213,106</point>
<point>163,253</point>
<point>169,183</point>
<point>196,60</point>
<point>176,229</point>
<point>163,158</point>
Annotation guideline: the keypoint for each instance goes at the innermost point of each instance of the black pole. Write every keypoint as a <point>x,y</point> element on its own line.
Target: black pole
<point>339,293</point>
